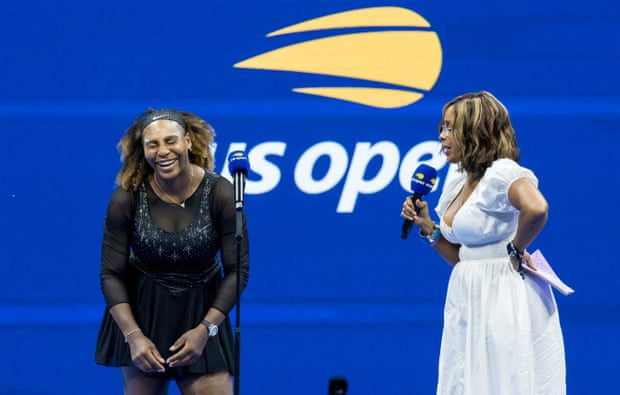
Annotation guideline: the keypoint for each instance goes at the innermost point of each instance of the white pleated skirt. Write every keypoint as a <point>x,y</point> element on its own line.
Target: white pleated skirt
<point>501,334</point>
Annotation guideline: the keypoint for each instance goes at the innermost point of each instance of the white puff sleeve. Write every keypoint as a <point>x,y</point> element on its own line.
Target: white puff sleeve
<point>496,183</point>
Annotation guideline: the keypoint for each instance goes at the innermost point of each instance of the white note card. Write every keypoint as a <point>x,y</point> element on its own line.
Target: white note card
<point>544,271</point>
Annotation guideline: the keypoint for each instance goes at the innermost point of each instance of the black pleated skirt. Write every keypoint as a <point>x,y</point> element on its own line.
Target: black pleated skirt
<point>163,316</point>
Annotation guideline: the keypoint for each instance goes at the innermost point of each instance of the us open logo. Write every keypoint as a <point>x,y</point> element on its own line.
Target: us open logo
<point>401,61</point>
<point>380,57</point>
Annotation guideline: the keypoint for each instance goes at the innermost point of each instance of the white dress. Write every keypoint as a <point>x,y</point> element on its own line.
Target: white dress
<point>501,333</point>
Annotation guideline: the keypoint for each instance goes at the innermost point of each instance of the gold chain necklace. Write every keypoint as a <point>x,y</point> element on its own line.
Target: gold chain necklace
<point>171,200</point>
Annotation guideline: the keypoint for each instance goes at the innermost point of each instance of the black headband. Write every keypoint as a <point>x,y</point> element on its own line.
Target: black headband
<point>168,115</point>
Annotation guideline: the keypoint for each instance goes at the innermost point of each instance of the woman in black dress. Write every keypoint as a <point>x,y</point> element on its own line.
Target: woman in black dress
<point>167,290</point>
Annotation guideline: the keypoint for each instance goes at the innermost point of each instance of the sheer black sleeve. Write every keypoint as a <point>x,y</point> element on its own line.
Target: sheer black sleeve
<point>223,214</point>
<point>115,247</point>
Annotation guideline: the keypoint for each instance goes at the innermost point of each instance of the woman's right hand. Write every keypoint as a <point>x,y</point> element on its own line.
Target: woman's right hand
<point>144,354</point>
<point>422,218</point>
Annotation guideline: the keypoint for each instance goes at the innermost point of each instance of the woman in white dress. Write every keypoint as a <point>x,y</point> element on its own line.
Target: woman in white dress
<point>501,331</point>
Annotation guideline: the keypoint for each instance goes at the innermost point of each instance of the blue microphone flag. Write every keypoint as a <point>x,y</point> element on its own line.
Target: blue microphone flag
<point>238,162</point>
<point>423,179</point>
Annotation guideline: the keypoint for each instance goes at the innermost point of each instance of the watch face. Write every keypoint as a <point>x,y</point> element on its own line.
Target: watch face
<point>213,330</point>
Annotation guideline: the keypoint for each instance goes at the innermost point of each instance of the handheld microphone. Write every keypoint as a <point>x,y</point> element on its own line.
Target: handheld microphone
<point>238,165</point>
<point>422,182</point>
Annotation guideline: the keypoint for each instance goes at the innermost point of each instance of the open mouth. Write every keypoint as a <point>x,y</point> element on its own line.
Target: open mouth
<point>166,164</point>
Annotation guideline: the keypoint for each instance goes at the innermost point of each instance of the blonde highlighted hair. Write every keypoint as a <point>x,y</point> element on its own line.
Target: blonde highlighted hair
<point>482,131</point>
<point>134,167</point>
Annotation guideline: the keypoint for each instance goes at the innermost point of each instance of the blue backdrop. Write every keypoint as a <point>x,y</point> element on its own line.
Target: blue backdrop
<point>333,290</point>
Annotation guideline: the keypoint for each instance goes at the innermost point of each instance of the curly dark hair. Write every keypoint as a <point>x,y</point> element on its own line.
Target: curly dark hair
<point>483,132</point>
<point>134,166</point>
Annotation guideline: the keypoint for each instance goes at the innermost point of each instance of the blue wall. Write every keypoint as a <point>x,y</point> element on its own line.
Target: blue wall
<point>331,293</point>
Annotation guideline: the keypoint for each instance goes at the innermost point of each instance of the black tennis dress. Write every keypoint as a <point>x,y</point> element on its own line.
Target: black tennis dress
<point>171,264</point>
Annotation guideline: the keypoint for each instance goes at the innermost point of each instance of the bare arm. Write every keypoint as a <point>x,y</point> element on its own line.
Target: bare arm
<point>448,251</point>
<point>533,211</point>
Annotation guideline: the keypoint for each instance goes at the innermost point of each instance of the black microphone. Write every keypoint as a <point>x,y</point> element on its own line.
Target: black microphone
<point>238,165</point>
<point>422,182</point>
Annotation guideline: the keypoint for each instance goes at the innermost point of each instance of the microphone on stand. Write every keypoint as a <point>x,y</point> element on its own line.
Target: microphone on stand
<point>238,165</point>
<point>422,182</point>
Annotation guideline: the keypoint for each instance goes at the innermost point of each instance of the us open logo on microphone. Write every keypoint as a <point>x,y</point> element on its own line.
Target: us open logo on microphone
<point>404,58</point>
<point>419,178</point>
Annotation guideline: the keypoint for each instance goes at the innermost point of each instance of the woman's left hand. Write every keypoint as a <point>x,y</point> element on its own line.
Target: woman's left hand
<point>188,347</point>
<point>527,261</point>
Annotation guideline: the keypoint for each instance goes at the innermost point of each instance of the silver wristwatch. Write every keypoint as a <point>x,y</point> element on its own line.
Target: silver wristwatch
<point>212,329</point>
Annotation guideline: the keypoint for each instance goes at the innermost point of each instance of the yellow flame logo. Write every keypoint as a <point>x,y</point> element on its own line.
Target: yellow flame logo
<point>419,176</point>
<point>433,181</point>
<point>409,60</point>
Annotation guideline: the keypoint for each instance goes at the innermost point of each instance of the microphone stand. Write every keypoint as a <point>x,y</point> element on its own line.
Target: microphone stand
<point>239,184</point>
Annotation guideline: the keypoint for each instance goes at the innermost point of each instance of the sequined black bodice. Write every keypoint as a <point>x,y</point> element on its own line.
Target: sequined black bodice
<point>177,247</point>
<point>181,259</point>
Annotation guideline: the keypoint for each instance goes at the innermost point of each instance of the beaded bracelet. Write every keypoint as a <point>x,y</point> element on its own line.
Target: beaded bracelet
<point>432,238</point>
<point>518,255</point>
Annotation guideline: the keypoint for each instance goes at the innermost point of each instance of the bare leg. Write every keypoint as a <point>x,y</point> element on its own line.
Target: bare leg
<point>137,383</point>
<point>208,384</point>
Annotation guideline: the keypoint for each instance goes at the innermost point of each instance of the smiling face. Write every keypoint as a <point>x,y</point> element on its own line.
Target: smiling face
<point>166,148</point>
<point>446,136</point>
